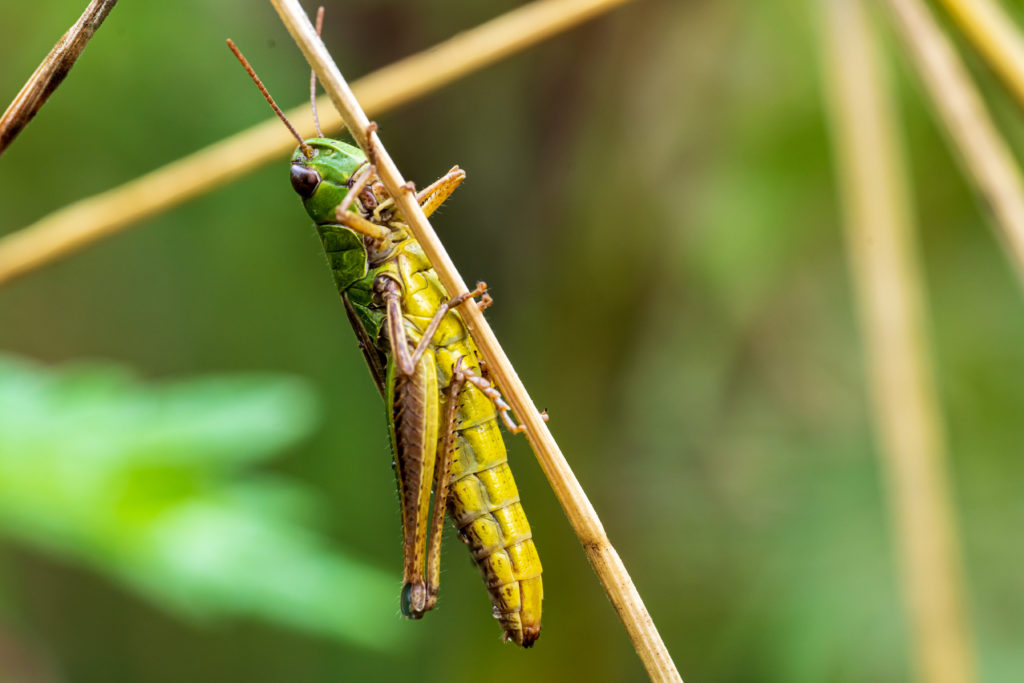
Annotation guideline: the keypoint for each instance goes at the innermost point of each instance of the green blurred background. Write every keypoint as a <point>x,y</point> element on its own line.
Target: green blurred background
<point>651,200</point>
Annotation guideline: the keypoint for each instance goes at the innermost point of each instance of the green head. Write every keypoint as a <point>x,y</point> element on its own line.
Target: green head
<point>321,171</point>
<point>322,177</point>
<point>321,167</point>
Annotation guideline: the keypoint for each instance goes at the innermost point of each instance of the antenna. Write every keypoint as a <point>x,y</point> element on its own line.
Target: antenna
<point>306,149</point>
<point>312,76</point>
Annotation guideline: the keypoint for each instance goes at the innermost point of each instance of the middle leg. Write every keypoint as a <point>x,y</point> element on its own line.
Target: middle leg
<point>391,293</point>
<point>504,409</point>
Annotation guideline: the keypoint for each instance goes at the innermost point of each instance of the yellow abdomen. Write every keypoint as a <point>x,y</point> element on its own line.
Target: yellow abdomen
<point>483,500</point>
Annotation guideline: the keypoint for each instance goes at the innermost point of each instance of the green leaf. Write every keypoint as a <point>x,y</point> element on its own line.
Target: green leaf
<point>152,485</point>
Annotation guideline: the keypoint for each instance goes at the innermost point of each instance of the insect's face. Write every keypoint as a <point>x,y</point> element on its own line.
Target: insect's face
<point>322,181</point>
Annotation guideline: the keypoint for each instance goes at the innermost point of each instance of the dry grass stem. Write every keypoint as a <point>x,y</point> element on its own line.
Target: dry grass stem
<point>52,71</point>
<point>890,298</point>
<point>984,154</point>
<point>995,37</point>
<point>84,222</point>
<point>581,514</point>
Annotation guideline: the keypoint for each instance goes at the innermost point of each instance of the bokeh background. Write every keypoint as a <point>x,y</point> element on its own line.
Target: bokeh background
<point>195,480</point>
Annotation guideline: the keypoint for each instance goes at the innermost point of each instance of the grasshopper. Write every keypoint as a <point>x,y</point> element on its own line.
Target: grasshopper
<point>442,410</point>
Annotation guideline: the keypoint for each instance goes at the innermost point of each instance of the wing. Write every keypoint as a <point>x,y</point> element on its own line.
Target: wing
<point>374,358</point>
<point>413,419</point>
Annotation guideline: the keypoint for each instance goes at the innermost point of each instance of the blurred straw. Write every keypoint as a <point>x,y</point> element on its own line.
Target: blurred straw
<point>985,157</point>
<point>88,220</point>
<point>51,71</point>
<point>887,282</point>
<point>607,564</point>
<point>992,31</point>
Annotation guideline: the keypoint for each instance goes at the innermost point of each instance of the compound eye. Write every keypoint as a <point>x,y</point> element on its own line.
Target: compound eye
<point>305,180</point>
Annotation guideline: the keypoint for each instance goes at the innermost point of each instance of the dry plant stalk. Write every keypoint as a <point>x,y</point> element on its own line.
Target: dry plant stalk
<point>985,156</point>
<point>86,221</point>
<point>606,562</point>
<point>51,71</point>
<point>890,298</point>
<point>992,31</point>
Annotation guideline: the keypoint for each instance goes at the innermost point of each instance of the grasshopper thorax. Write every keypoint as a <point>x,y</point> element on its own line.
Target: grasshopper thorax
<point>322,178</point>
